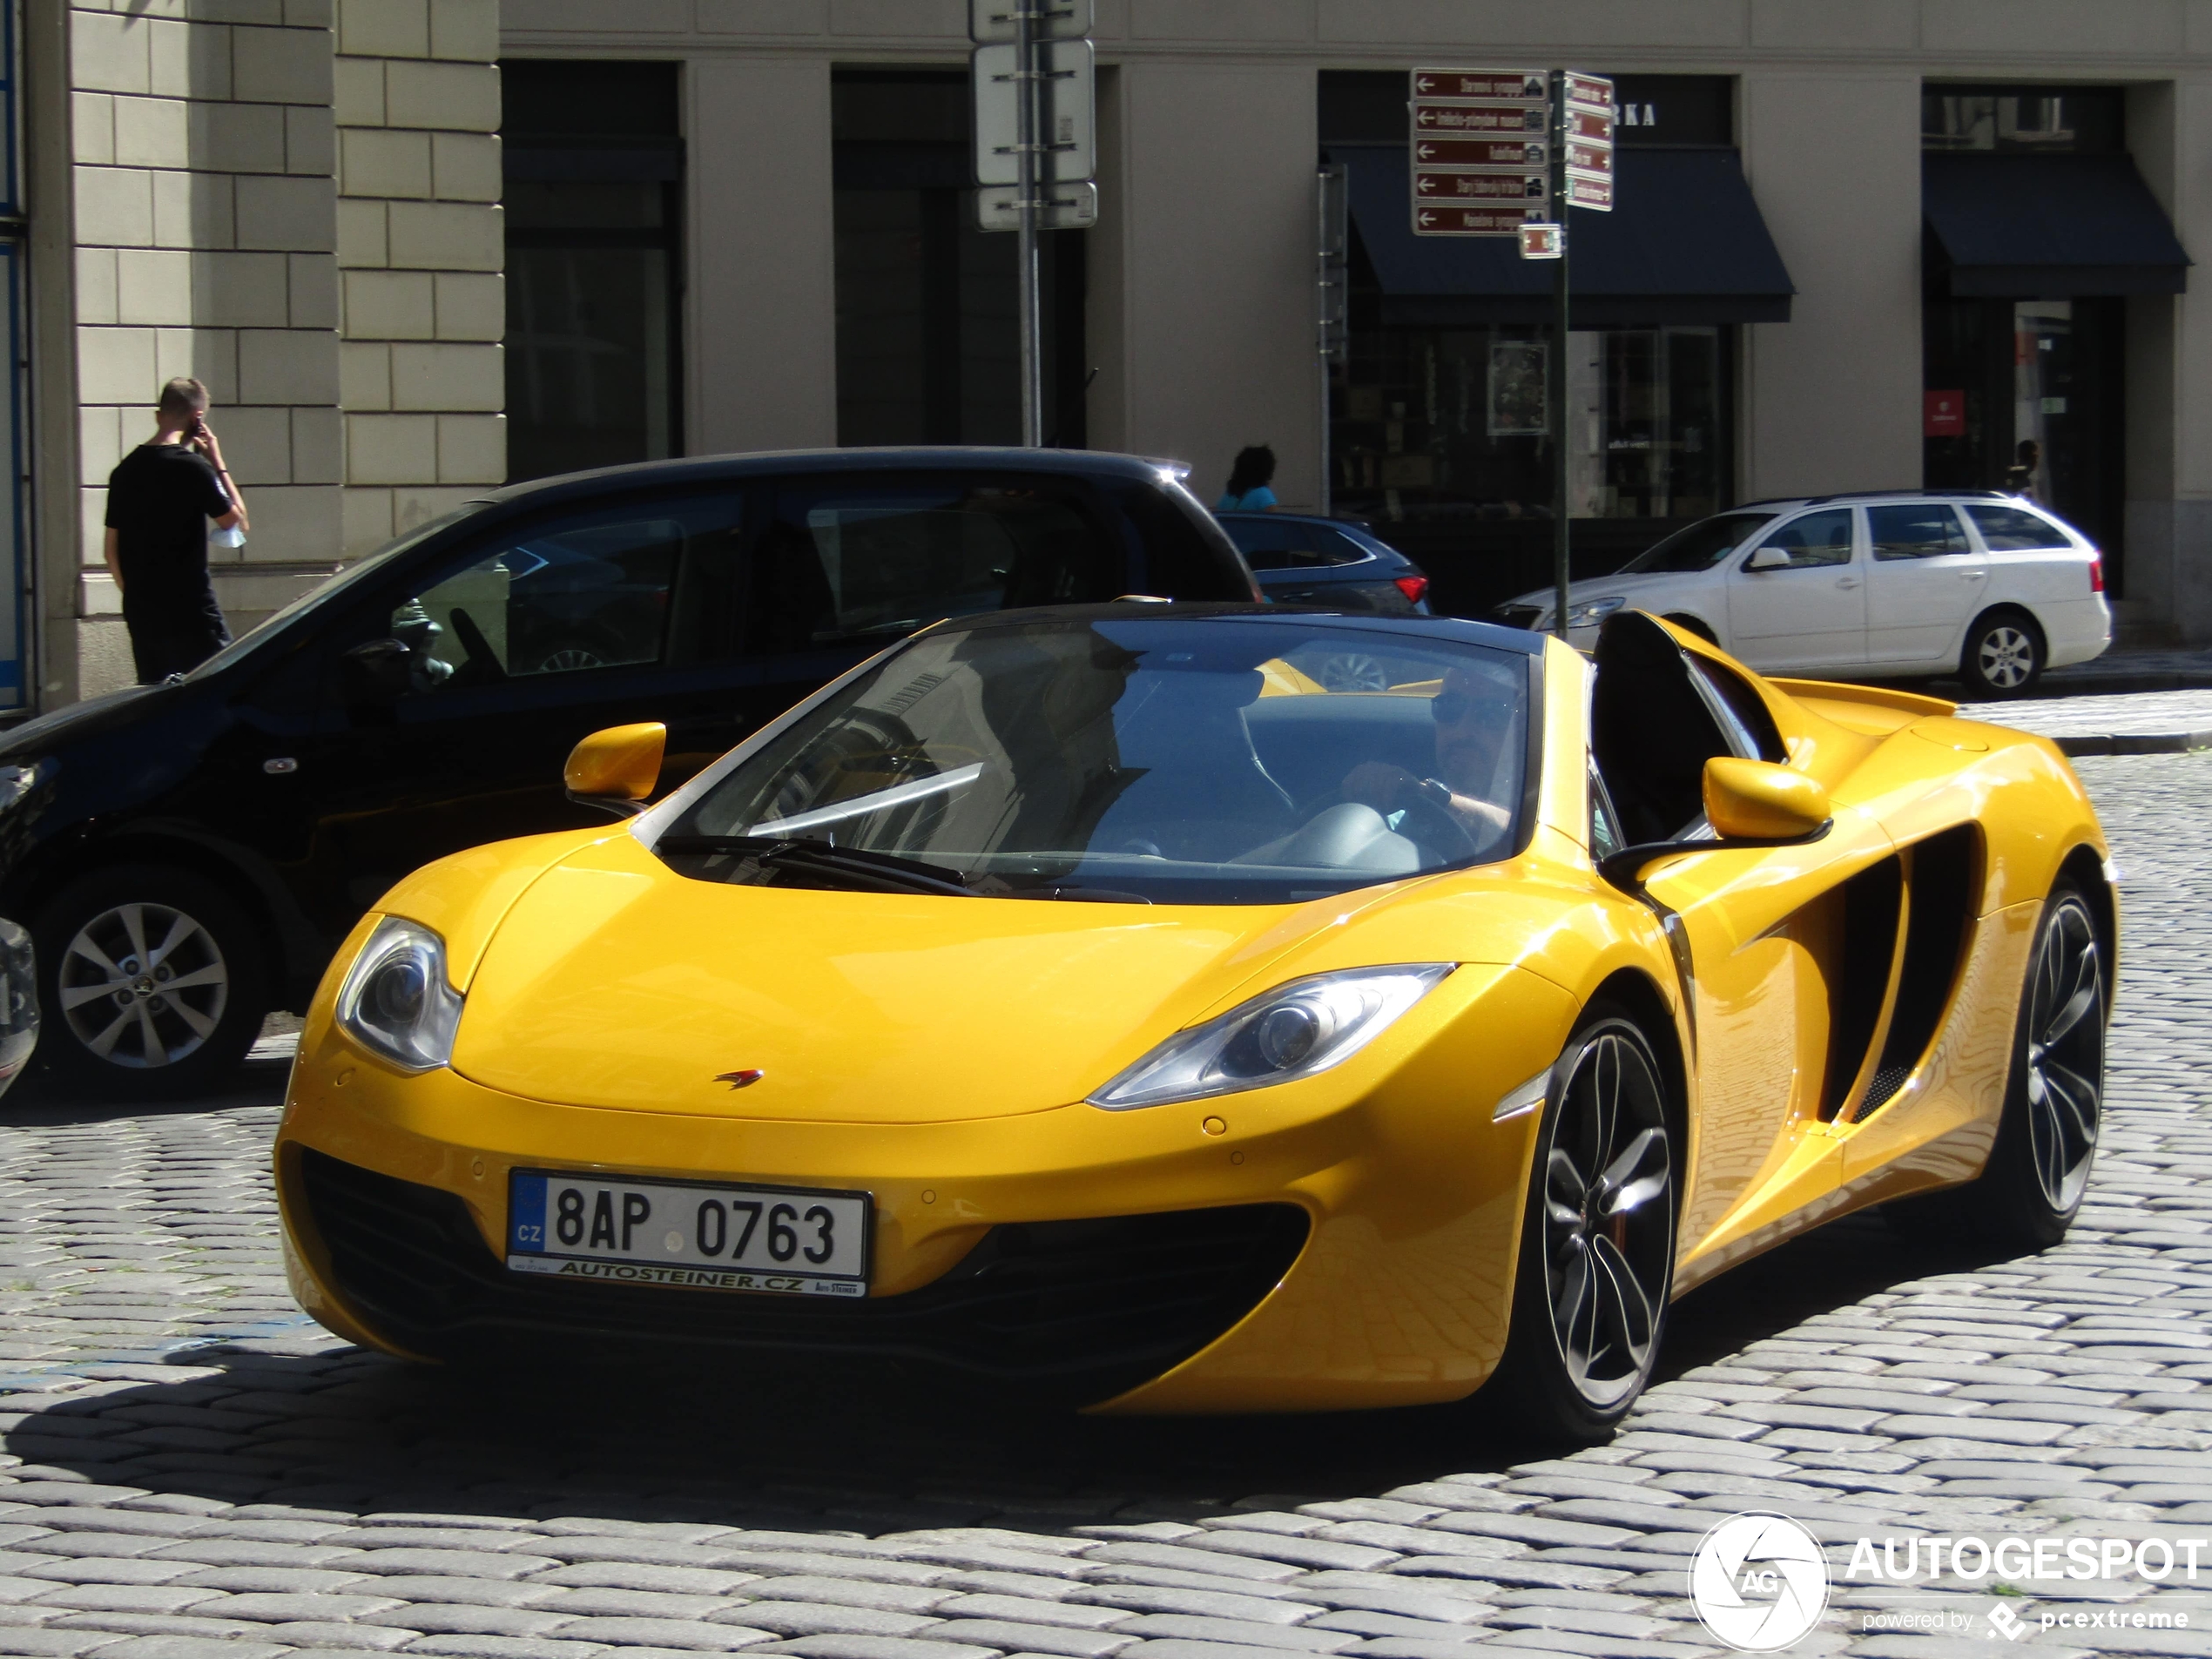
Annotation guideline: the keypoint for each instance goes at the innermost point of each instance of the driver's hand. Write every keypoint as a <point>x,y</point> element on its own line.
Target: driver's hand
<point>1379,784</point>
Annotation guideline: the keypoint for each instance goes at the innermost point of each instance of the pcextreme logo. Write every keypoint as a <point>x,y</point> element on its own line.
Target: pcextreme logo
<point>1758,1582</point>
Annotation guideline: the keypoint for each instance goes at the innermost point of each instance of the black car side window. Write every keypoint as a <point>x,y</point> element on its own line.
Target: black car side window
<point>618,588</point>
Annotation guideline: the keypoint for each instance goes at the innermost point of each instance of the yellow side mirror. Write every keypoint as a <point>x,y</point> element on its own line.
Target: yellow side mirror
<point>1757,800</point>
<point>618,768</point>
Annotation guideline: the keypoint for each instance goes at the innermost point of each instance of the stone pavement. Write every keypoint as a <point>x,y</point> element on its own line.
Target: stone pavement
<point>2139,714</point>
<point>191,1473</point>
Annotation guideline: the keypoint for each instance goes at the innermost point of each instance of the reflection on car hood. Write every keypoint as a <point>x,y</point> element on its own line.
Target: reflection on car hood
<point>93,715</point>
<point>1599,588</point>
<point>616,982</point>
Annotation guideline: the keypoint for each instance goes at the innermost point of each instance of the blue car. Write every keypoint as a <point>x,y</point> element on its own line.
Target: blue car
<point>1302,560</point>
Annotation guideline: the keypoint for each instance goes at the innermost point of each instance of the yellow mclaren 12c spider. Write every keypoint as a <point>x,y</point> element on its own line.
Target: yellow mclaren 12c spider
<point>1212,1008</point>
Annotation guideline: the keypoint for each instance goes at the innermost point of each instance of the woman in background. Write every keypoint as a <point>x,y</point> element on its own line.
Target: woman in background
<point>1248,481</point>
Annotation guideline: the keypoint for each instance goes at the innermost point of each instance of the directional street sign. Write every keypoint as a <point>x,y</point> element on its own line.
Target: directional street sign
<point>1585,155</point>
<point>1474,118</point>
<point>1467,185</point>
<point>1526,85</point>
<point>1585,191</point>
<point>1474,221</point>
<point>1480,153</point>
<point>1060,207</point>
<point>1068,128</point>
<point>1596,90</point>
<point>1587,138</point>
<point>990,20</point>
<point>1590,123</point>
<point>1542,241</point>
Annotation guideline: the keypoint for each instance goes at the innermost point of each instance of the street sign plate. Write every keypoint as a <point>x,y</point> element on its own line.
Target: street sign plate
<point>1473,119</point>
<point>1543,241</point>
<point>1524,85</point>
<point>1590,123</point>
<point>1594,90</point>
<point>1471,184</point>
<point>1063,207</point>
<point>1588,155</point>
<point>1589,190</point>
<point>990,20</point>
<point>1069,129</point>
<point>1480,153</point>
<point>1472,221</point>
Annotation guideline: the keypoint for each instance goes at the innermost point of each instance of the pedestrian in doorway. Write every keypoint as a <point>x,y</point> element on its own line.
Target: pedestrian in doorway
<point>1248,483</point>
<point>2021,476</point>
<point>159,500</point>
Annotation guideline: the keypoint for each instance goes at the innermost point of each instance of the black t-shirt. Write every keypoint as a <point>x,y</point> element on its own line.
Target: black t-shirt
<point>158,502</point>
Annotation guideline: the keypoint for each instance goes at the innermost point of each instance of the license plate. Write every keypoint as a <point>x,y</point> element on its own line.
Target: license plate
<point>697,1236</point>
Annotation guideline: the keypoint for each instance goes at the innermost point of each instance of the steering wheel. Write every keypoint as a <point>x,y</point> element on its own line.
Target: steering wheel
<point>1440,829</point>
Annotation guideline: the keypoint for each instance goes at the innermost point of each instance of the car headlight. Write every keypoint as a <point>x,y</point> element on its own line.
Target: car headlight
<point>395,1002</point>
<point>1292,1031</point>
<point>1590,612</point>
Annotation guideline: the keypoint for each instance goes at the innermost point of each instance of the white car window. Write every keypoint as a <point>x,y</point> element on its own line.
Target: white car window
<point>1813,539</point>
<point>2015,529</point>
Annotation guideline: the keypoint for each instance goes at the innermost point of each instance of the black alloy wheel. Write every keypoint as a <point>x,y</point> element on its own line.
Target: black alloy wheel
<point>1597,1248</point>
<point>2027,1194</point>
<point>2003,656</point>
<point>152,984</point>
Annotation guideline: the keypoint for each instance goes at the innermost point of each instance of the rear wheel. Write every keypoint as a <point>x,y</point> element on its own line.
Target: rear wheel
<point>2003,655</point>
<point>1597,1242</point>
<point>152,981</point>
<point>2026,1195</point>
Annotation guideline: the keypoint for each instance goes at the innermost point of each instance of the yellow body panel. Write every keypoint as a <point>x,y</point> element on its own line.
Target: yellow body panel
<point>936,1052</point>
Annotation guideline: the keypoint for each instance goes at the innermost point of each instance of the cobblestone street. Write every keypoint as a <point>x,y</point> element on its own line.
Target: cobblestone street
<point>192,1471</point>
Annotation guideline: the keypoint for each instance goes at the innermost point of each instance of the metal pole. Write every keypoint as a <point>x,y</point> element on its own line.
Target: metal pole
<point>1028,84</point>
<point>1560,420</point>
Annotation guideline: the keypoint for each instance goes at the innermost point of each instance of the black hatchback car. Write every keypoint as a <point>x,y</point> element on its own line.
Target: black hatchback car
<point>189,854</point>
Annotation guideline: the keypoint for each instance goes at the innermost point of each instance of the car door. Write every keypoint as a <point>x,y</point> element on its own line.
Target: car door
<point>1758,933</point>
<point>1924,584</point>
<point>495,660</point>
<point>1809,611</point>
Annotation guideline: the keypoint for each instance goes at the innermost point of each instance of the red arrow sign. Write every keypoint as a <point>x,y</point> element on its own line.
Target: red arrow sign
<point>1473,118</point>
<point>1589,155</point>
<point>1480,152</point>
<point>1478,186</point>
<point>1594,90</point>
<point>1584,191</point>
<point>1473,221</point>
<point>1590,123</point>
<point>1524,84</point>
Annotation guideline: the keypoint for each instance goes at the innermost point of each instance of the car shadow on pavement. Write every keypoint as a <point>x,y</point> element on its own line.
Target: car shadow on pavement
<point>812,1447</point>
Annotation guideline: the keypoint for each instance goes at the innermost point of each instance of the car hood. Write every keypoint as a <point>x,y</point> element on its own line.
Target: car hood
<point>90,718</point>
<point>612,982</point>
<point>1599,588</point>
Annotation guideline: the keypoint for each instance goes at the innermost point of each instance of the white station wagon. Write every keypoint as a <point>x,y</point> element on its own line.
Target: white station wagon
<point>1988,586</point>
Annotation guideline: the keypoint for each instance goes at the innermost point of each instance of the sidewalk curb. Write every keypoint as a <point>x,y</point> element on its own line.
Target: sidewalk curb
<point>2154,743</point>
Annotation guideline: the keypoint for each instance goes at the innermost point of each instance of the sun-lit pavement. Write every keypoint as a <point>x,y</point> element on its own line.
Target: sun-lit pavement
<point>196,1471</point>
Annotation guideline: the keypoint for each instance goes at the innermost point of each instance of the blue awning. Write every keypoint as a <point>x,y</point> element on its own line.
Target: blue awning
<point>1684,244</point>
<point>2047,227</point>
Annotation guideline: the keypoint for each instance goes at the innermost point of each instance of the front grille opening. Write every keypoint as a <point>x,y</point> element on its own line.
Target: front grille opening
<point>1081,1309</point>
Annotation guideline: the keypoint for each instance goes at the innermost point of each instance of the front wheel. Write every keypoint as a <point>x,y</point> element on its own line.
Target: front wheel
<point>2003,656</point>
<point>152,981</point>
<point>1597,1240</point>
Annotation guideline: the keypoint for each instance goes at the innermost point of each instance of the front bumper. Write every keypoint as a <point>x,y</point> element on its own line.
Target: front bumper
<point>1347,1241</point>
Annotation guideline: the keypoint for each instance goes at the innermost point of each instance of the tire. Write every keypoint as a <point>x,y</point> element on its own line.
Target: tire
<point>2027,1194</point>
<point>1589,1303</point>
<point>110,946</point>
<point>1690,625</point>
<point>2003,656</point>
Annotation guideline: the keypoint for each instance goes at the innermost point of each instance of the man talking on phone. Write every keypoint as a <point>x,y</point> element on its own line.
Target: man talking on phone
<point>159,503</point>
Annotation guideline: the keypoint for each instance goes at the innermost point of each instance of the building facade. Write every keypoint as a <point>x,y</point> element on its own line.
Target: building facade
<point>419,247</point>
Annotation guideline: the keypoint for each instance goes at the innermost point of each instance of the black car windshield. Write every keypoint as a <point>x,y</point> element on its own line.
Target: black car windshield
<point>1699,546</point>
<point>1193,760</point>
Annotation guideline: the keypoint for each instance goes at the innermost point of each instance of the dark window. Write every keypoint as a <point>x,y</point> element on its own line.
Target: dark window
<point>1814,539</point>
<point>2084,119</point>
<point>1270,543</point>
<point>594,162</point>
<point>1921,531</point>
<point>2011,530</point>
<point>1334,547</point>
<point>1701,546</point>
<point>927,350</point>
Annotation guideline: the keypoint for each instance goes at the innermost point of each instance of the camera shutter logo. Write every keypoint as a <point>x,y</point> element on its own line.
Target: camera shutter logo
<point>1758,1582</point>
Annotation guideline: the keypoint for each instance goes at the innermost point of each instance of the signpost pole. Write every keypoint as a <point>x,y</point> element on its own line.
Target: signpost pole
<point>1557,391</point>
<point>1028,84</point>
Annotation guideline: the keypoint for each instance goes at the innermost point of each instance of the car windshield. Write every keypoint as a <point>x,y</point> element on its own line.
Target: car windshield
<point>1194,760</point>
<point>1699,546</point>
<point>317,598</point>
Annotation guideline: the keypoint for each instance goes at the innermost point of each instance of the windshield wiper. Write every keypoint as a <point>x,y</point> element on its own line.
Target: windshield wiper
<point>882,871</point>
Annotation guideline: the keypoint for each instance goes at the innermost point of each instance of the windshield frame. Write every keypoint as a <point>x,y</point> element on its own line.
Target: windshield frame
<point>1766,520</point>
<point>657,820</point>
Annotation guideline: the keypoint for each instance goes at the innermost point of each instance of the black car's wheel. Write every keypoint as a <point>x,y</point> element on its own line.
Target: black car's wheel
<point>2027,1193</point>
<point>2003,656</point>
<point>153,983</point>
<point>1351,671</point>
<point>1597,1242</point>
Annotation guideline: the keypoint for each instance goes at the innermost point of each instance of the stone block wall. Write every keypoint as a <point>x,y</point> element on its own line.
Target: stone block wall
<point>421,252</point>
<point>205,220</point>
